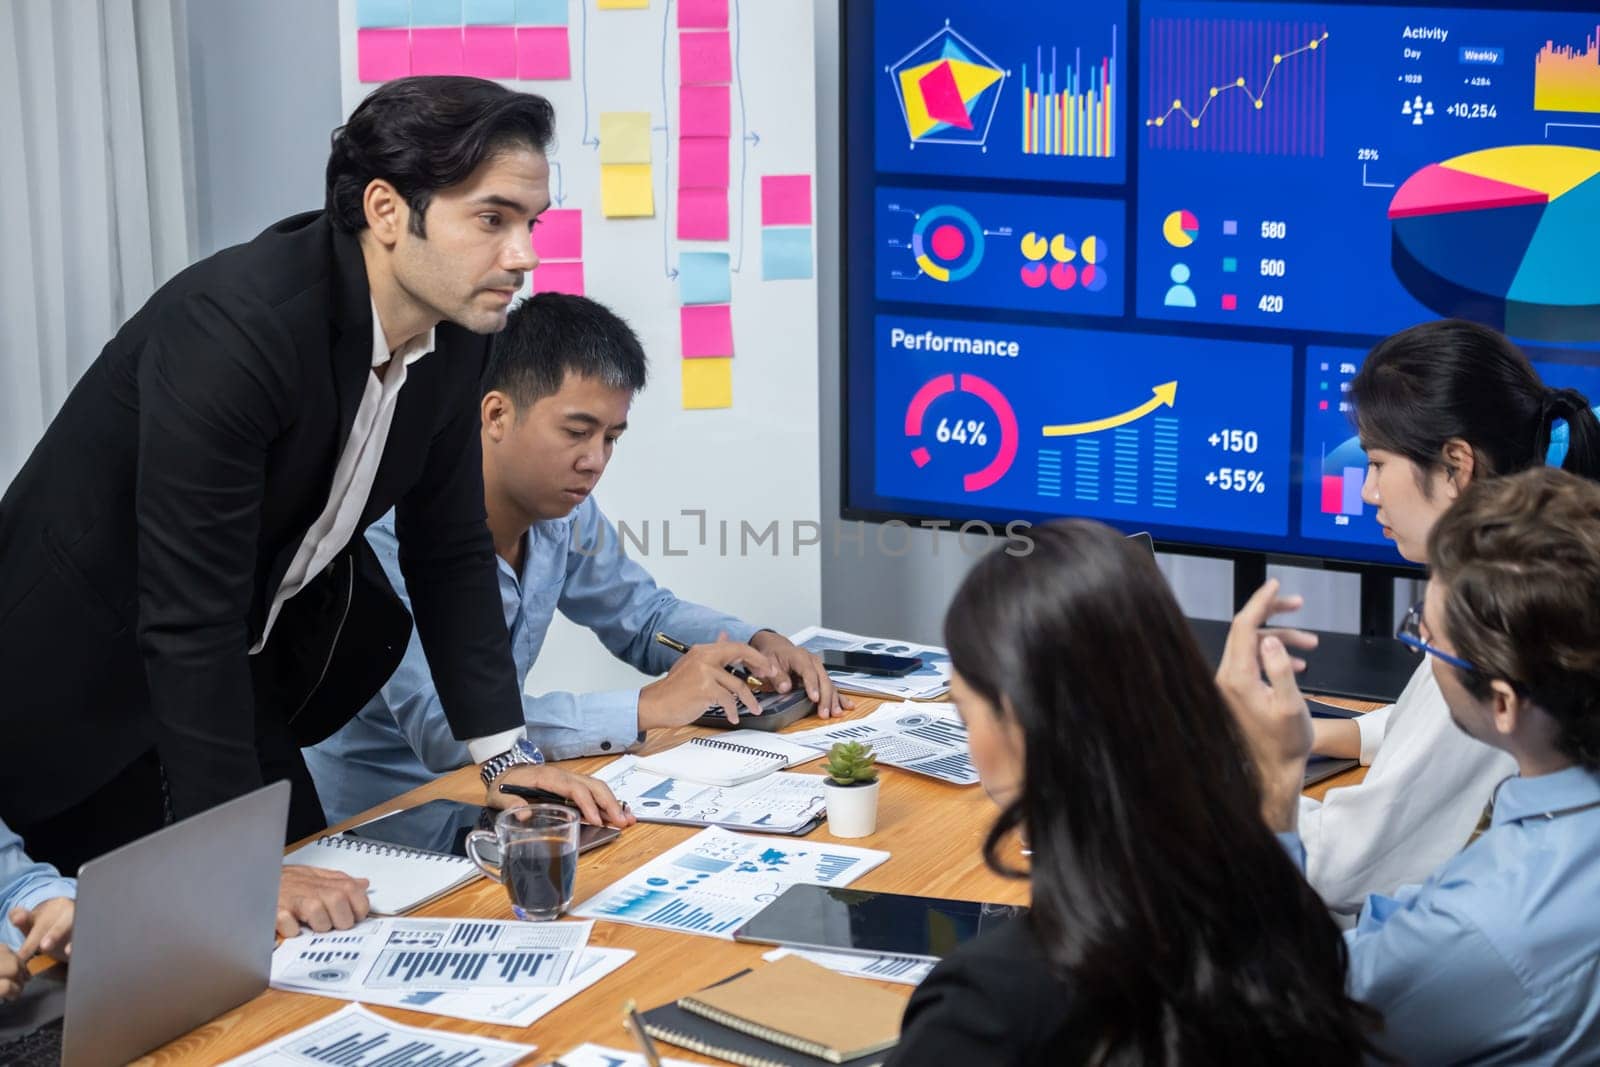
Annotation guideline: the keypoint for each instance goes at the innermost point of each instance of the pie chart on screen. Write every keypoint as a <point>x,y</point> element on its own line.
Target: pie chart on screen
<point>1180,228</point>
<point>1506,236</point>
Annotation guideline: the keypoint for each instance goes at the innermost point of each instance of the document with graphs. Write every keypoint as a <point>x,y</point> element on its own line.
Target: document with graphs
<point>487,970</point>
<point>927,738</point>
<point>717,880</point>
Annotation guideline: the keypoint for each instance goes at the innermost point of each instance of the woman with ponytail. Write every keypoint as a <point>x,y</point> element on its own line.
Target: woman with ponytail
<point>1438,407</point>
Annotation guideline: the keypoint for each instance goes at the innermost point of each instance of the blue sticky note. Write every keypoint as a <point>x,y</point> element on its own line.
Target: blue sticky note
<point>383,14</point>
<point>435,12</point>
<point>541,12</point>
<point>703,278</point>
<point>785,252</point>
<point>488,12</point>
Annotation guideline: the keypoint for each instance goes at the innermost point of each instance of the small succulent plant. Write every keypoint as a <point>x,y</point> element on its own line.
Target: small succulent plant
<point>851,763</point>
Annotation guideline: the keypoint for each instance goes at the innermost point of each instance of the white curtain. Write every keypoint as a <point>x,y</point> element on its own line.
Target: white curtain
<point>95,203</point>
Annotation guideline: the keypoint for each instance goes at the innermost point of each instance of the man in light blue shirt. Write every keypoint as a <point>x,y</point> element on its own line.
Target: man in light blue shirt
<point>561,381</point>
<point>36,912</point>
<point>1496,958</point>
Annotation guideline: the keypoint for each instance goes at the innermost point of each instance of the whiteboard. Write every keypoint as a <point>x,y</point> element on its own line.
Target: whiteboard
<point>755,463</point>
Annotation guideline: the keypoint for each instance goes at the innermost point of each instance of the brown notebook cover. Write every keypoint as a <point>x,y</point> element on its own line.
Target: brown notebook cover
<point>797,1004</point>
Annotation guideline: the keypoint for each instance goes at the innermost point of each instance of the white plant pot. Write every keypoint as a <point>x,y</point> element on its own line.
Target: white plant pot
<point>852,809</point>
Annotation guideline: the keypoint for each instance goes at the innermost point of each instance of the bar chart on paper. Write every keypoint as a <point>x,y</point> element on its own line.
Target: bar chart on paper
<point>354,1037</point>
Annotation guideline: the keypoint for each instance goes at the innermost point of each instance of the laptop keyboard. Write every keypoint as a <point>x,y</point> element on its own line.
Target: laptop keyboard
<point>37,1048</point>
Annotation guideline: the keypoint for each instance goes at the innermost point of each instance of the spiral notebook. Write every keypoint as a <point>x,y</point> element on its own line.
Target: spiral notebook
<point>790,1013</point>
<point>386,851</point>
<point>719,761</point>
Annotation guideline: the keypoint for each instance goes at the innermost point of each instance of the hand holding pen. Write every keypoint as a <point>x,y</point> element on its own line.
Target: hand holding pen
<point>706,676</point>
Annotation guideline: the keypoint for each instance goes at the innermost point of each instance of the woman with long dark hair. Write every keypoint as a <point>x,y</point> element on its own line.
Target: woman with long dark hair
<point>1168,925</point>
<point>1438,407</point>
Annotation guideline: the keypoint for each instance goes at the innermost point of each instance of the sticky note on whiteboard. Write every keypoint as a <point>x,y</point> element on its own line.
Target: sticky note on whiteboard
<point>702,214</point>
<point>704,58</point>
<point>559,234</point>
<point>707,384</point>
<point>704,278</point>
<point>624,137</point>
<point>626,190</point>
<point>707,331</point>
<point>559,278</point>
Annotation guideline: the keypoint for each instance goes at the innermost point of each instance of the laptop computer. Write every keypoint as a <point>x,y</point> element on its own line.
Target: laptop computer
<point>172,930</point>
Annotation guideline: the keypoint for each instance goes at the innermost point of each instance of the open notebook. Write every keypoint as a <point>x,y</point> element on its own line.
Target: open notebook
<point>727,761</point>
<point>407,856</point>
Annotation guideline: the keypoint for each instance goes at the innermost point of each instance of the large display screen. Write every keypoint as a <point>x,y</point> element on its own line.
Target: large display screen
<point>1121,258</point>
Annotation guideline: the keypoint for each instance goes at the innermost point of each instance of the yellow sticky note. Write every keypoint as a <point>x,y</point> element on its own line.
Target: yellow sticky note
<point>707,383</point>
<point>627,190</point>
<point>624,137</point>
<point>622,5</point>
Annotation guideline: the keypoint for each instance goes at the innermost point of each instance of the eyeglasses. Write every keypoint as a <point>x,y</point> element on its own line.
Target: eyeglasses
<point>1409,633</point>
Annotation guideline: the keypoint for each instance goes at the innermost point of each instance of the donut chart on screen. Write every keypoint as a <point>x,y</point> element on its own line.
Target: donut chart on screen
<point>1510,232</point>
<point>947,243</point>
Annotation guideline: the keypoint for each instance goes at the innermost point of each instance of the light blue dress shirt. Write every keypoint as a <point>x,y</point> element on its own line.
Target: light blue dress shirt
<point>25,884</point>
<point>401,739</point>
<point>1496,958</point>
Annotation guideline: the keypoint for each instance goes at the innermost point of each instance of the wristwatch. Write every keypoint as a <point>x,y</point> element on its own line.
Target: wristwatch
<point>522,753</point>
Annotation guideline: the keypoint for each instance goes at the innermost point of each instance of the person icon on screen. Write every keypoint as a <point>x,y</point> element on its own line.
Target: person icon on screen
<point>1180,295</point>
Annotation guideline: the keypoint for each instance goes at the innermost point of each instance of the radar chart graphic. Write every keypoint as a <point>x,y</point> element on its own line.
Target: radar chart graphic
<point>948,90</point>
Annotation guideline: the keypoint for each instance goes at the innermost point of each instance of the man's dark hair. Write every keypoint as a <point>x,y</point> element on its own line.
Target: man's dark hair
<point>551,335</point>
<point>426,134</point>
<point>1520,558</point>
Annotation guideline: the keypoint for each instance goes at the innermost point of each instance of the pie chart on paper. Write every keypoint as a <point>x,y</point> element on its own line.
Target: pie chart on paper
<point>1506,236</point>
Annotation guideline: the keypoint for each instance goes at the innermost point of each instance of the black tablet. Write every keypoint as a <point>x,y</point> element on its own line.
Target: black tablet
<point>442,826</point>
<point>854,920</point>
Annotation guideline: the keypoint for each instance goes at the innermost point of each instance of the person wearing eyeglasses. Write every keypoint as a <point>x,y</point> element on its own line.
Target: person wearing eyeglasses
<point>1493,959</point>
<point>1439,407</point>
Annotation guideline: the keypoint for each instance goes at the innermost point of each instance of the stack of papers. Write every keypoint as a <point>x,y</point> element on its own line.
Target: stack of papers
<point>780,803</point>
<point>927,738</point>
<point>354,1035</point>
<point>927,682</point>
<point>717,881</point>
<point>486,970</point>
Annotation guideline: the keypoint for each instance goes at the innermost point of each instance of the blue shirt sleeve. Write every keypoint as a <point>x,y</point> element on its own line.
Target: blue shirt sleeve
<point>1446,994</point>
<point>618,600</point>
<point>25,884</point>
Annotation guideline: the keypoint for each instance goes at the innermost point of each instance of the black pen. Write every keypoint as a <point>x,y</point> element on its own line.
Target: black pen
<point>683,650</point>
<point>528,792</point>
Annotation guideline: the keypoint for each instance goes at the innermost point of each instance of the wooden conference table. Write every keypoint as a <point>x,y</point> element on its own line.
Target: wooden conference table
<point>933,831</point>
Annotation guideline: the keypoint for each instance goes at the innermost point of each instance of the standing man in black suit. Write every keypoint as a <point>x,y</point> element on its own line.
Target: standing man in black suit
<point>186,597</point>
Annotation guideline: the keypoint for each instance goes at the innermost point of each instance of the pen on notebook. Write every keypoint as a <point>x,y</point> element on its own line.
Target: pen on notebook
<point>683,650</point>
<point>631,1021</point>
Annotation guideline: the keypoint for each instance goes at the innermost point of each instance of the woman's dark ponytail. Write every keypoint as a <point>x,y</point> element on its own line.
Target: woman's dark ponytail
<point>1583,430</point>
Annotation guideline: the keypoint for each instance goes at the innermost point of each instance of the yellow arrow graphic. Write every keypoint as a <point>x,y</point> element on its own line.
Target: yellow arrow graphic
<point>1165,393</point>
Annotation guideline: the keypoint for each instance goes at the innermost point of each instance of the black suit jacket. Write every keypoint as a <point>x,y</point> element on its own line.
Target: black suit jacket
<point>142,542</point>
<point>993,1001</point>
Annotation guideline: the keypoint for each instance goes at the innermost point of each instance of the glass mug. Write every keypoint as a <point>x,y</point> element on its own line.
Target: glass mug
<point>537,846</point>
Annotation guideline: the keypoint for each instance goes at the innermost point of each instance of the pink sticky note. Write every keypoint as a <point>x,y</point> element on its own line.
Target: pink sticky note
<point>543,53</point>
<point>383,54</point>
<point>786,200</point>
<point>703,14</point>
<point>559,234</point>
<point>703,111</point>
<point>703,162</point>
<point>559,278</point>
<point>707,330</point>
<point>437,51</point>
<point>489,51</point>
<point>704,58</point>
<point>703,216</point>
